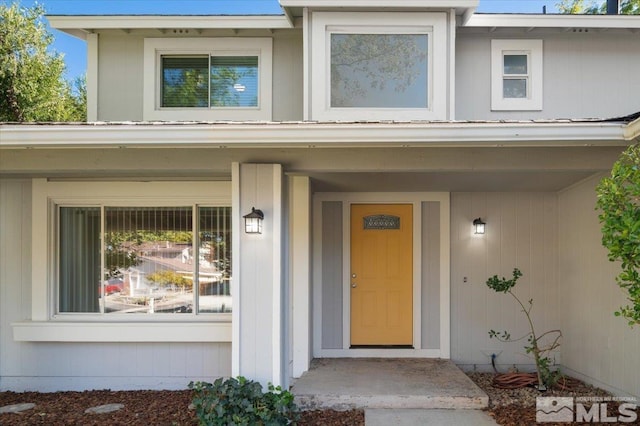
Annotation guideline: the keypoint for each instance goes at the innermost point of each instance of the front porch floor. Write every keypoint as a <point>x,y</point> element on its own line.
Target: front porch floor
<point>347,383</point>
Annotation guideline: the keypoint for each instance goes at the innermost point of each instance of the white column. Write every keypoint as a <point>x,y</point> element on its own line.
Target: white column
<point>257,350</point>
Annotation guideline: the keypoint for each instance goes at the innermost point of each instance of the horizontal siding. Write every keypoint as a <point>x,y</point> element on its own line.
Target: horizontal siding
<point>521,232</point>
<point>120,76</point>
<point>600,347</point>
<point>586,74</point>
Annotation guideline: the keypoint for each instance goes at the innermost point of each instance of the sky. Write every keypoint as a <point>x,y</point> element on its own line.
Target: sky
<point>74,50</point>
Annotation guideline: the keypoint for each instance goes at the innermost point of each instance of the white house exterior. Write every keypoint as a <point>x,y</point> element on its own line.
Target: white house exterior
<point>369,186</point>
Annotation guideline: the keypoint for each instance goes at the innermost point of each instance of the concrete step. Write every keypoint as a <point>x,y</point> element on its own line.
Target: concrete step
<point>412,383</point>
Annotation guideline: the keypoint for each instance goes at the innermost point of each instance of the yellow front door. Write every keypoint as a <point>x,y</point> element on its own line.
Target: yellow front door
<point>381,274</point>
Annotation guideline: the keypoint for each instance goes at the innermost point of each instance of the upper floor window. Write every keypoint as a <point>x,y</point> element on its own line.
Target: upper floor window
<point>516,75</point>
<point>378,66</point>
<point>379,70</point>
<point>208,79</point>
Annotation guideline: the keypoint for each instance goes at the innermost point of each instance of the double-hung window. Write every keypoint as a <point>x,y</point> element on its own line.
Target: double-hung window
<point>371,65</point>
<point>516,82</point>
<point>207,79</point>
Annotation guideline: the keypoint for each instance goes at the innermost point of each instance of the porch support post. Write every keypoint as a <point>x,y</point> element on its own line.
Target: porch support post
<point>300,236</point>
<point>257,348</point>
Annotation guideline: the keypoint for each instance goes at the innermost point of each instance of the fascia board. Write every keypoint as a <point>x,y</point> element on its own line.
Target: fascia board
<point>317,135</point>
<point>69,23</point>
<point>553,21</point>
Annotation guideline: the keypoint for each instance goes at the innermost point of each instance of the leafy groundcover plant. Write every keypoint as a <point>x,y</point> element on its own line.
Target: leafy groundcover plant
<point>242,402</point>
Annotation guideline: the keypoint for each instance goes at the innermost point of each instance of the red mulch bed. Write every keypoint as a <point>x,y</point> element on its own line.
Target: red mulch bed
<point>140,408</point>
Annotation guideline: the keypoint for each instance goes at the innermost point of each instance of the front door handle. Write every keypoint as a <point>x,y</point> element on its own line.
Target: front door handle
<point>354,285</point>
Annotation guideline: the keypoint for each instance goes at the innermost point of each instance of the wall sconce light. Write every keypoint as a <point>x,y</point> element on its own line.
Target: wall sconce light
<point>253,221</point>
<point>479,226</point>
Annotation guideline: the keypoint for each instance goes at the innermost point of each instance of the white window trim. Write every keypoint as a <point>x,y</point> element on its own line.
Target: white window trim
<point>434,24</point>
<point>533,50</point>
<point>155,47</point>
<point>46,325</point>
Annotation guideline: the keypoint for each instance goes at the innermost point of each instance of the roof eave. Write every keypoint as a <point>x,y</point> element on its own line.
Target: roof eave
<point>553,21</point>
<point>317,135</point>
<point>80,25</point>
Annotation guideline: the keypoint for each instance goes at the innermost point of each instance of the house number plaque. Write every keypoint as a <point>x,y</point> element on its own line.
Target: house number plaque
<point>381,221</point>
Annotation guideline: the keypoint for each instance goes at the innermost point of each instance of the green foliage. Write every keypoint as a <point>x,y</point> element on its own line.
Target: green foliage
<point>242,402</point>
<point>31,77</point>
<point>619,204</point>
<point>534,346</point>
<point>627,7</point>
<point>502,285</point>
<point>167,277</point>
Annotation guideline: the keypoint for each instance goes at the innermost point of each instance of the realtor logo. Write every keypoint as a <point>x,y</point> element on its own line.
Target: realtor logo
<point>585,409</point>
<point>554,409</point>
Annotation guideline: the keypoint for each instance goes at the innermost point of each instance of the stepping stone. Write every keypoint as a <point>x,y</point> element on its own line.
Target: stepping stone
<point>104,409</point>
<point>16,408</point>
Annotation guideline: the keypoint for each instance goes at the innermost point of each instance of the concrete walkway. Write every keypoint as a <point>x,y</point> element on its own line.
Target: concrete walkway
<point>373,383</point>
<point>435,417</point>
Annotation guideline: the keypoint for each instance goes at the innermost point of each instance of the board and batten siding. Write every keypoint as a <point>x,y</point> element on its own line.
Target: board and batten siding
<point>120,75</point>
<point>521,232</point>
<point>51,366</point>
<point>586,74</point>
<point>597,346</point>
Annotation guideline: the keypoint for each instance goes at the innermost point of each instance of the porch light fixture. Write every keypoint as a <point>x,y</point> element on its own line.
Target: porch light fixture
<point>479,226</point>
<point>253,221</point>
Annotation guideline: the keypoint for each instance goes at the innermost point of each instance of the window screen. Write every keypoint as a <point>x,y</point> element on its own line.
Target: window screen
<point>185,81</point>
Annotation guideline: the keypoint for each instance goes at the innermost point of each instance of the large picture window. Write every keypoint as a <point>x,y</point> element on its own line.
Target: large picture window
<point>154,260</point>
<point>379,70</point>
<point>379,66</point>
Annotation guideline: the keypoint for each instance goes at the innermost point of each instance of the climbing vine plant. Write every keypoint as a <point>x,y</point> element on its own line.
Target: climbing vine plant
<point>619,205</point>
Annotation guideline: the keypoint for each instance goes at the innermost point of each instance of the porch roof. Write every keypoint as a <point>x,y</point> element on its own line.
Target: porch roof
<point>253,134</point>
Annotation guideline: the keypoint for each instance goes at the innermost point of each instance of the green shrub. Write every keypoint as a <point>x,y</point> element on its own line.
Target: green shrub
<point>619,204</point>
<point>242,402</point>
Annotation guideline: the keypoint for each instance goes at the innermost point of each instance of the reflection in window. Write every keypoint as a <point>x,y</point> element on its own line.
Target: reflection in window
<point>234,81</point>
<point>204,81</point>
<point>515,75</point>
<point>185,81</point>
<point>379,70</point>
<point>148,258</point>
<point>214,264</point>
